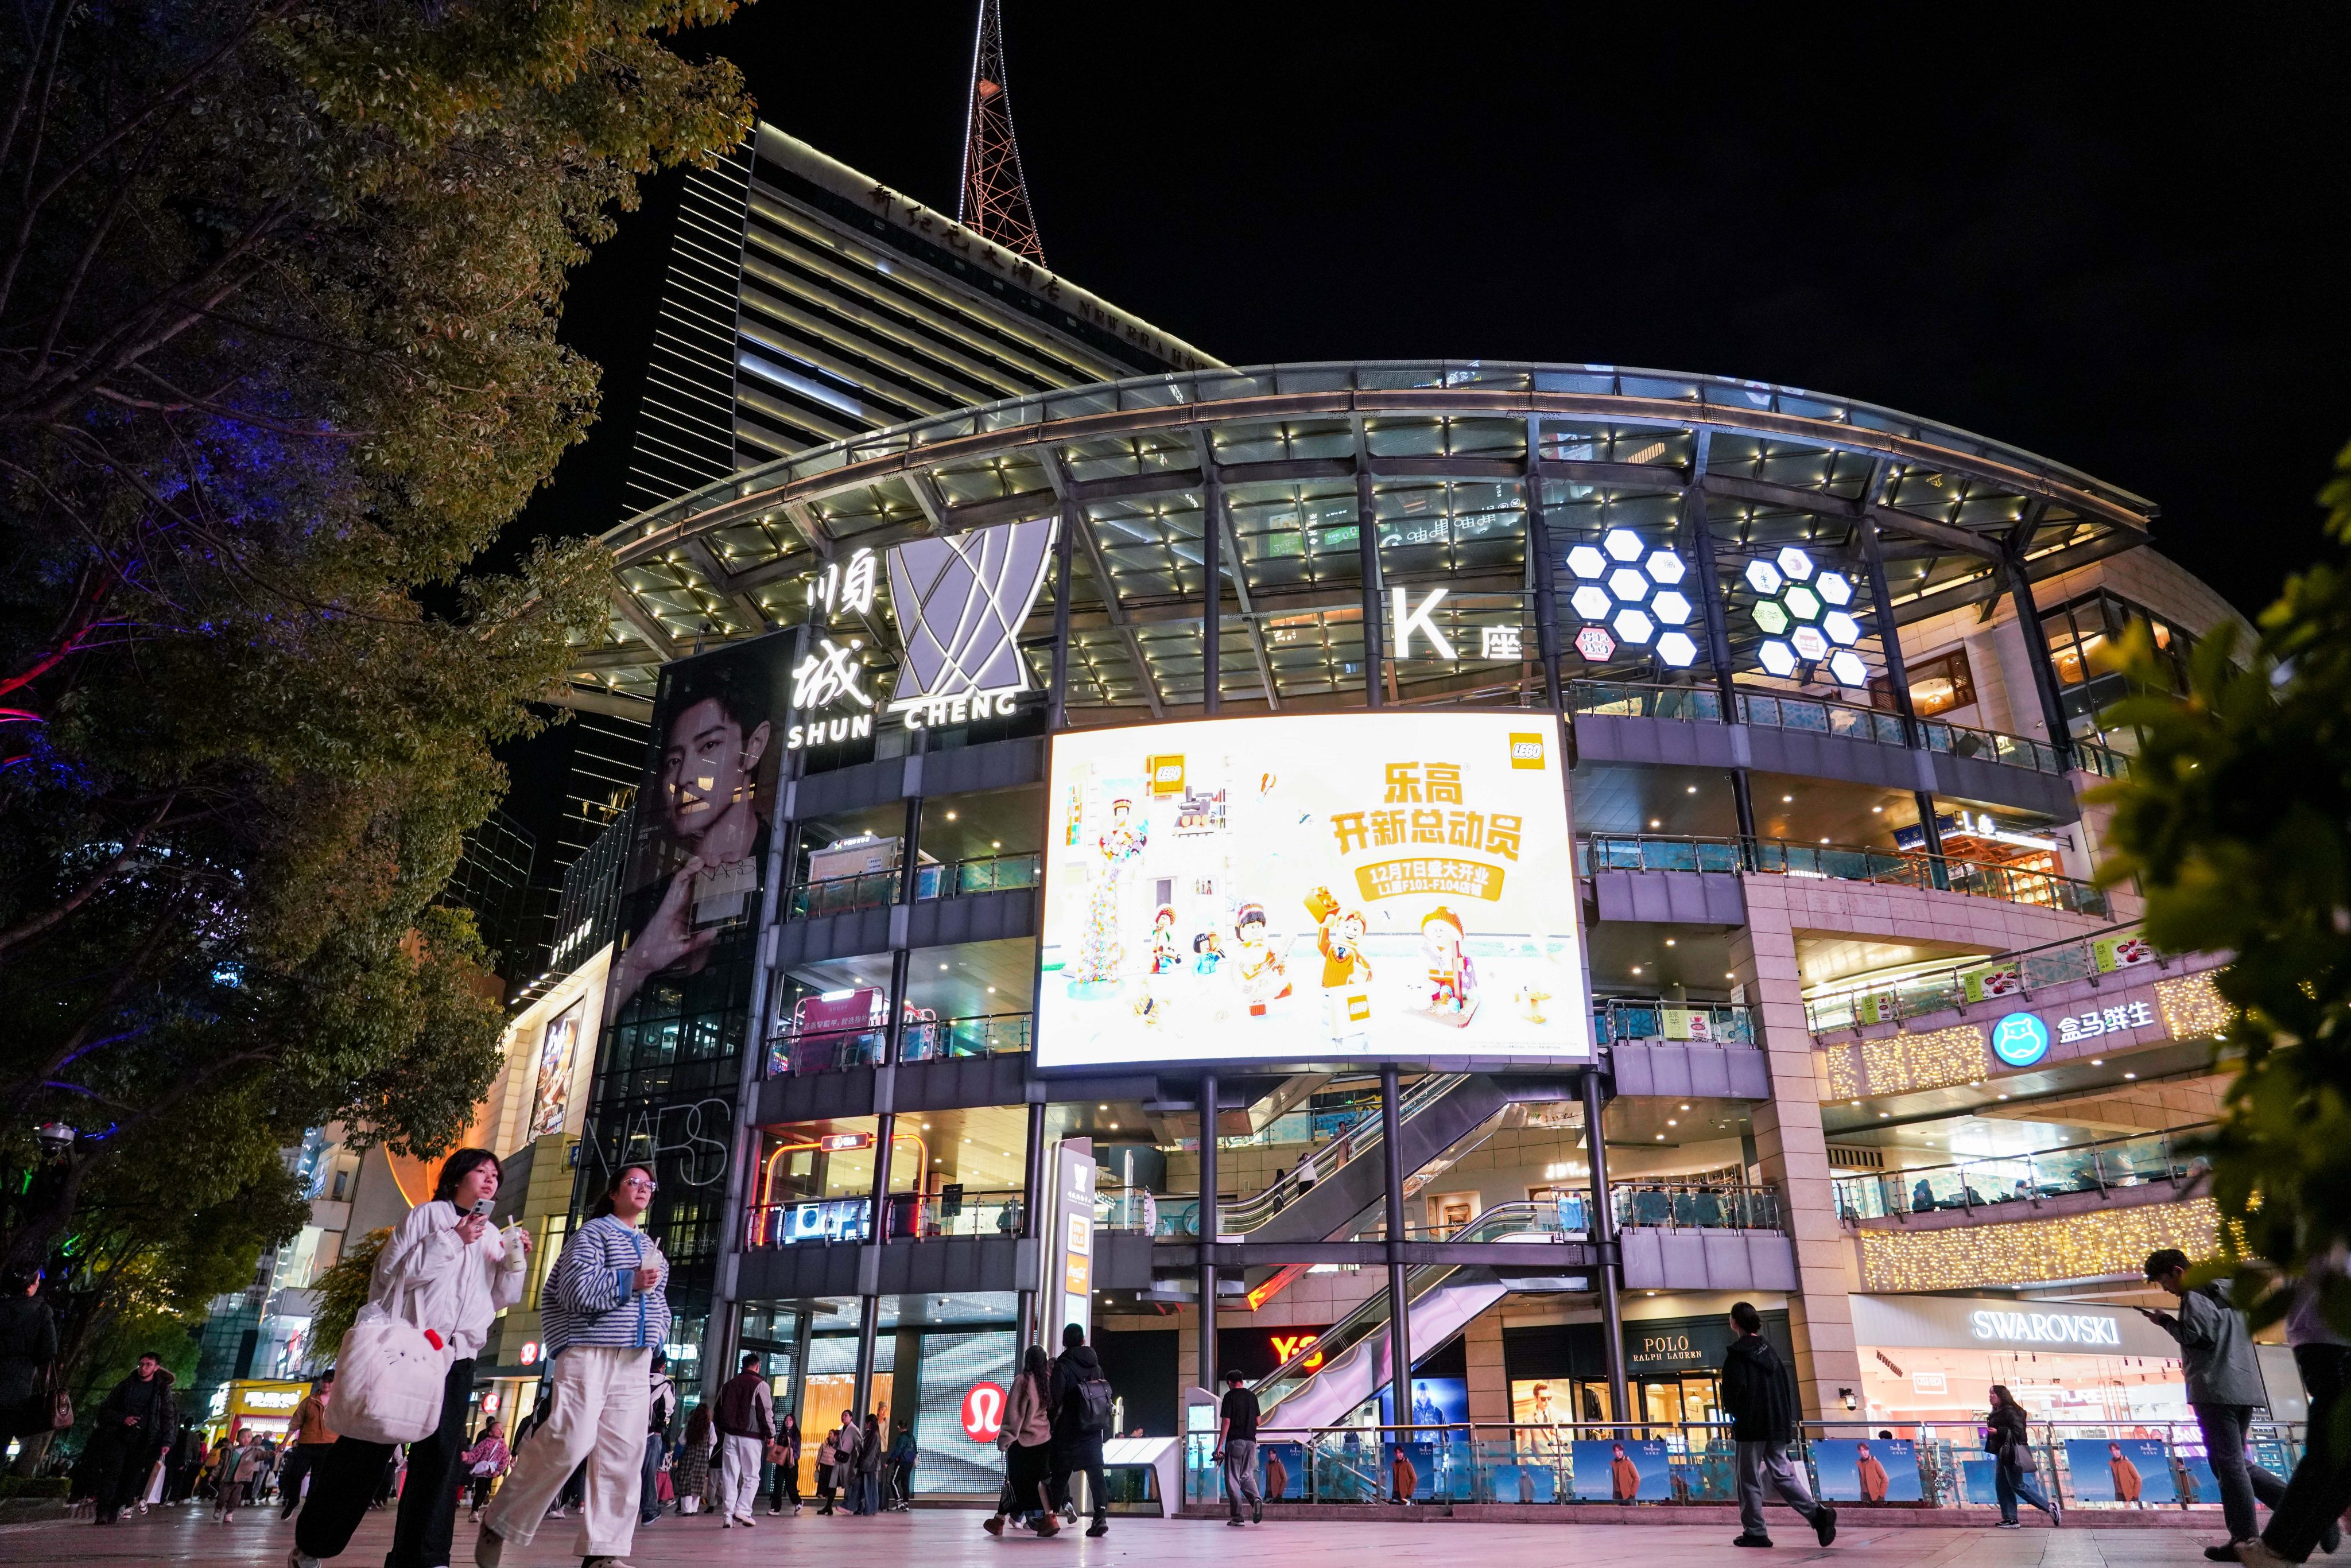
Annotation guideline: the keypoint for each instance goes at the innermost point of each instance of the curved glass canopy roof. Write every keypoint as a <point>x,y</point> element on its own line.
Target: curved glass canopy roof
<point>1447,459</point>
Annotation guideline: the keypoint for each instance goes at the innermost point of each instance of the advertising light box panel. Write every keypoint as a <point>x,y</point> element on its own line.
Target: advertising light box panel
<point>1389,886</point>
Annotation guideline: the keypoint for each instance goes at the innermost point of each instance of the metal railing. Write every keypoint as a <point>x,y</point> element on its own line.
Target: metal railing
<point>1616,1019</point>
<point>1567,1215</point>
<point>923,1040</point>
<point>2018,973</point>
<point>910,1217</point>
<point>878,889</point>
<point>1667,1464</point>
<point>1840,862</point>
<point>1362,1138</point>
<point>2138,1160</point>
<point>1819,715</point>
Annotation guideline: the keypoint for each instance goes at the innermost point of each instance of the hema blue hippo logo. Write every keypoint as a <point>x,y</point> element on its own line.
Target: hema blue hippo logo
<point>2019,1040</point>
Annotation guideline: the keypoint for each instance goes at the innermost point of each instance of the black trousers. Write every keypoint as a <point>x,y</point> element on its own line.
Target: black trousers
<point>1083,1455</point>
<point>2321,1487</point>
<point>120,1474</point>
<point>784,1486</point>
<point>344,1483</point>
<point>299,1460</point>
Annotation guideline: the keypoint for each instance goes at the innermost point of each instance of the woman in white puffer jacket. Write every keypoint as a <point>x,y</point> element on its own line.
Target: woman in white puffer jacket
<point>446,1268</point>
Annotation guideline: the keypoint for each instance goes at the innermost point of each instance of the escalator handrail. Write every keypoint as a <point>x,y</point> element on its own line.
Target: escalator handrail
<point>1418,1283</point>
<point>1248,1213</point>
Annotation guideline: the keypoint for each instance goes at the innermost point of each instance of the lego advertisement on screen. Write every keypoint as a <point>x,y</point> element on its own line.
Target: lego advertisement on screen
<point>1392,886</point>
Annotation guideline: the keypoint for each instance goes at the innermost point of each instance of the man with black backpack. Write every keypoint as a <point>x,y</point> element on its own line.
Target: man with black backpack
<point>1081,1403</point>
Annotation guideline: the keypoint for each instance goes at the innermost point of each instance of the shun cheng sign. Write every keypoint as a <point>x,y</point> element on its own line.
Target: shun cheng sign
<point>959,603</point>
<point>2046,1328</point>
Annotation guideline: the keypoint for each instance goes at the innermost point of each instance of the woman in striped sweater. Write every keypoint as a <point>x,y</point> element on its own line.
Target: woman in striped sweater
<point>602,1313</point>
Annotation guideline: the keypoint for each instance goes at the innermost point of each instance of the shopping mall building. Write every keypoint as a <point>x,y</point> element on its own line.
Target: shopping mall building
<point>1453,872</point>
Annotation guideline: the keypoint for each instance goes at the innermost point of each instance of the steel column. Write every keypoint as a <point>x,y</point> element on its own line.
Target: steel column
<point>2036,652</point>
<point>1208,1228</point>
<point>885,1120</point>
<point>1718,629</point>
<point>1604,1231</point>
<point>1546,586</point>
<point>1897,674</point>
<point>1212,589</point>
<point>1367,557</point>
<point>1064,535</point>
<point>1032,1205</point>
<point>1399,1301</point>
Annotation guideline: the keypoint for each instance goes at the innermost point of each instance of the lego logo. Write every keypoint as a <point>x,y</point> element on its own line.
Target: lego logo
<point>1169,772</point>
<point>1525,751</point>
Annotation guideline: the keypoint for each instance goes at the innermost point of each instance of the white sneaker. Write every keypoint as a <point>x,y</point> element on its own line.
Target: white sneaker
<point>745,1520</point>
<point>725,1524</point>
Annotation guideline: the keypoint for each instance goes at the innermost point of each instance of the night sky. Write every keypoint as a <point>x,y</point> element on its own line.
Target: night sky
<point>2109,248</point>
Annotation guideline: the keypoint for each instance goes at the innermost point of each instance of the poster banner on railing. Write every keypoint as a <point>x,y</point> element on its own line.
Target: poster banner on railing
<point>1526,1483</point>
<point>1880,1469</point>
<point>2123,952</point>
<point>1306,888</point>
<point>1284,1468</point>
<point>2120,1469</point>
<point>1626,1469</point>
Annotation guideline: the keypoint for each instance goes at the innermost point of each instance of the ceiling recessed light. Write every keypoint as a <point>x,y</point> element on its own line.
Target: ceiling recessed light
<point>2003,1097</point>
<point>1729,975</point>
<point>1637,969</point>
<point>943,969</point>
<point>996,843</point>
<point>1881,1115</point>
<point>1671,1123</point>
<point>2131,1075</point>
<point>991,990</point>
<point>1784,799</point>
<point>1691,790</point>
<point>1684,1107</point>
<point>951,816</point>
<point>1669,941</point>
<point>1877,810</point>
<point>1661,1137</point>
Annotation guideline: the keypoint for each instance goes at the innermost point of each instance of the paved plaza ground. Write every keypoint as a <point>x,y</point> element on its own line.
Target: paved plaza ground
<point>953,1539</point>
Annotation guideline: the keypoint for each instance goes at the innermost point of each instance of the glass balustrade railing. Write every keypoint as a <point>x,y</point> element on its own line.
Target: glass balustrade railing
<point>923,1040</point>
<point>937,879</point>
<point>1567,1215</point>
<point>1617,1019</point>
<point>1993,1181</point>
<point>1935,1465</point>
<point>1981,979</point>
<point>1816,715</point>
<point>1845,863</point>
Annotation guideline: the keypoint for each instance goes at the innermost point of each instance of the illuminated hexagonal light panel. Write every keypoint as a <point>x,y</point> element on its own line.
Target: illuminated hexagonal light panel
<point>1777,657</point>
<point>1771,617</point>
<point>1794,562</point>
<point>1585,561</point>
<point>1633,625</point>
<point>1843,629</point>
<point>1810,644</point>
<point>1670,607</point>
<point>1595,644</point>
<point>1763,578</point>
<point>1833,587</point>
<point>1666,567</point>
<point>1590,601</point>
<point>1846,666</point>
<point>1802,602</point>
<point>1628,585</point>
<point>1677,649</point>
<point>1622,544</point>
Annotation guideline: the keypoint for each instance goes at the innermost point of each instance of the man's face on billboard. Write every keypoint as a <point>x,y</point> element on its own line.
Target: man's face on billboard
<point>708,769</point>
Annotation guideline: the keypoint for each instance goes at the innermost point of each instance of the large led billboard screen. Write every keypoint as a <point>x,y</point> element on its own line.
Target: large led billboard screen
<point>1389,886</point>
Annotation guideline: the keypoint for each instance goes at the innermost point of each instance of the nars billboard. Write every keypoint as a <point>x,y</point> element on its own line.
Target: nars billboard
<point>1390,886</point>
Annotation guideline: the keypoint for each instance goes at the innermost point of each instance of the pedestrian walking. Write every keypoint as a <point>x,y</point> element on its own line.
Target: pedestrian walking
<point>228,1462</point>
<point>485,1462</point>
<point>602,1310</point>
<point>28,1358</point>
<point>1025,1437</point>
<point>661,1404</point>
<point>447,1269</point>
<point>1760,1400</point>
<point>828,1467</point>
<point>1081,1420</point>
<point>746,1423</point>
<point>1237,1419</point>
<point>188,1463</point>
<point>127,1433</point>
<point>690,1475</point>
<point>311,1438</point>
<point>2320,1488</point>
<point>2013,1474</point>
<point>784,1453</point>
<point>869,1465</point>
<point>898,1471</point>
<point>2224,1387</point>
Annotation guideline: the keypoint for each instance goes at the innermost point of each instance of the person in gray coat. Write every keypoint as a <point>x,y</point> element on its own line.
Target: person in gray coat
<point>2224,1389</point>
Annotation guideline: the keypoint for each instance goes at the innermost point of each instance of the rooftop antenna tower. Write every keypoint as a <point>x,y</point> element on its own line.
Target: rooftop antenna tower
<point>993,201</point>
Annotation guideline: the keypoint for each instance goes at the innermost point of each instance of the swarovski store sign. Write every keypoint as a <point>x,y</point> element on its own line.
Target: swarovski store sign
<point>2006,1323</point>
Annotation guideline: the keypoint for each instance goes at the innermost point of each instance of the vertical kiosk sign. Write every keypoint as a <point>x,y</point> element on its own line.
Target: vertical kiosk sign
<point>1070,1255</point>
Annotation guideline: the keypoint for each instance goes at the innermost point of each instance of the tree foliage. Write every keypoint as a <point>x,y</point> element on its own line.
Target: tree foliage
<point>278,287</point>
<point>342,1289</point>
<point>2237,820</point>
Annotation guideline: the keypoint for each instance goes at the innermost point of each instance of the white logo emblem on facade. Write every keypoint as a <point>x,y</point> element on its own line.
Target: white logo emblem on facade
<point>837,592</point>
<point>960,603</point>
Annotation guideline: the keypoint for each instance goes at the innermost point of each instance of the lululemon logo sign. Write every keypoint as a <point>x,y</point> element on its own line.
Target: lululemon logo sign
<point>983,1412</point>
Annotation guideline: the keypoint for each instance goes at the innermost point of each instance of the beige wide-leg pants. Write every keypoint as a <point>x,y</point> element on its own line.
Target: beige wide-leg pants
<point>601,1397</point>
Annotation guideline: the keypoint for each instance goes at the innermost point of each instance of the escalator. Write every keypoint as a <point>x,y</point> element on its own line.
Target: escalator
<point>1350,1360</point>
<point>1347,1175</point>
